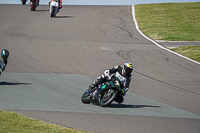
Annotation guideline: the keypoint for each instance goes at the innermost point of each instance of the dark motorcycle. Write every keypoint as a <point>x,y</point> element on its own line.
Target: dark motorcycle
<point>33,4</point>
<point>24,2</point>
<point>104,94</point>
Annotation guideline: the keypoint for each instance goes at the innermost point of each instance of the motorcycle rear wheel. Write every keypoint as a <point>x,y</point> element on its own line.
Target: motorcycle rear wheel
<point>107,97</point>
<point>32,9</point>
<point>33,6</point>
<point>23,2</point>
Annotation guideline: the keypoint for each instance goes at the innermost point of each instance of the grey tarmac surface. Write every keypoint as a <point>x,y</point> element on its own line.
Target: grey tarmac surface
<point>47,54</point>
<point>175,44</point>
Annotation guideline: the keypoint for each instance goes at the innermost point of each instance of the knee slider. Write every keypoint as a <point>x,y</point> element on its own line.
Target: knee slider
<point>99,77</point>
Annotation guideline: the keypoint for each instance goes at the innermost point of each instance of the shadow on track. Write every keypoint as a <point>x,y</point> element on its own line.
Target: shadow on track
<point>13,83</point>
<point>41,10</point>
<point>64,16</point>
<point>131,106</point>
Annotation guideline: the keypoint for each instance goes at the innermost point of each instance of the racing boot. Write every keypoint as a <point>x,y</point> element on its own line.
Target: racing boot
<point>96,82</point>
<point>119,98</point>
<point>93,85</point>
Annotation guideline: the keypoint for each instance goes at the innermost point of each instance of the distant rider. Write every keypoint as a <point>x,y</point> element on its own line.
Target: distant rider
<point>37,1</point>
<point>59,4</point>
<point>124,75</point>
<point>3,60</point>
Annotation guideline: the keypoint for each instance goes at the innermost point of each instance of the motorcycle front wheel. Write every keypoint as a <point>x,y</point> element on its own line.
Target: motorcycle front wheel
<point>107,97</point>
<point>85,98</point>
<point>52,12</point>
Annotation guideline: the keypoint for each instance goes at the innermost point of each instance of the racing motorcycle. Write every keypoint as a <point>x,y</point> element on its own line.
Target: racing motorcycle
<point>104,94</point>
<point>33,4</point>
<point>53,8</point>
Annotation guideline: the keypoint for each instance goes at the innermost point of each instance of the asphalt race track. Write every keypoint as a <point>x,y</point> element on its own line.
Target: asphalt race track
<point>53,61</point>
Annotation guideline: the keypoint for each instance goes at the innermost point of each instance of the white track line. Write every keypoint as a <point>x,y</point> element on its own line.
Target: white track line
<point>134,19</point>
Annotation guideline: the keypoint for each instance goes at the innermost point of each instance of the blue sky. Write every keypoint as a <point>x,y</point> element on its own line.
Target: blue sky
<point>101,2</point>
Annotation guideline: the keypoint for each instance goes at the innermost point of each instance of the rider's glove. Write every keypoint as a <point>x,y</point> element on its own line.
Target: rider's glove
<point>1,68</point>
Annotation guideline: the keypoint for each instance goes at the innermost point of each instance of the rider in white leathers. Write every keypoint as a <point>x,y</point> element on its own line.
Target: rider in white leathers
<point>124,75</point>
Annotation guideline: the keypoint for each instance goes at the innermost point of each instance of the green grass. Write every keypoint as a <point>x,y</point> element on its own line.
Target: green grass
<point>192,52</point>
<point>170,21</point>
<point>15,123</point>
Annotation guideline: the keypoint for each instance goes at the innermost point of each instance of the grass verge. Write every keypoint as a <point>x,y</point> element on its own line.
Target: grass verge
<point>13,122</point>
<point>170,21</point>
<point>192,52</point>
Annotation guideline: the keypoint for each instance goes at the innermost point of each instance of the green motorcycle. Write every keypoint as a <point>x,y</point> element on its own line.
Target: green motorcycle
<point>104,94</point>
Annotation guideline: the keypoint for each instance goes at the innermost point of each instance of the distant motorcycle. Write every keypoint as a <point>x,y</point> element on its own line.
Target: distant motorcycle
<point>33,4</point>
<point>53,8</point>
<point>24,2</point>
<point>104,94</point>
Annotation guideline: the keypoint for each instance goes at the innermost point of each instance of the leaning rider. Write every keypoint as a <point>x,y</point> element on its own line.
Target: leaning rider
<point>59,4</point>
<point>3,60</point>
<point>121,72</point>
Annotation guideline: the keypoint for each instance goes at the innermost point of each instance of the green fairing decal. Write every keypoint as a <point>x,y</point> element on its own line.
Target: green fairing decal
<point>103,87</point>
<point>111,84</point>
<point>119,84</point>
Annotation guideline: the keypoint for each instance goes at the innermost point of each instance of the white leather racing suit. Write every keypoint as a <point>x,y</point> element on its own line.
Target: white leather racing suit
<point>124,78</point>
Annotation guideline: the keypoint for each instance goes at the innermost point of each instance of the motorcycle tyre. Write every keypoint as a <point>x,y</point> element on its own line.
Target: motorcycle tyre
<point>85,100</point>
<point>23,2</point>
<point>33,7</point>
<point>52,12</point>
<point>110,100</point>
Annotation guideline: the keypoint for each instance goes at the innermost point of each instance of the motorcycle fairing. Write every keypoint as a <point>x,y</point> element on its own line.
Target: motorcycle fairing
<point>102,87</point>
